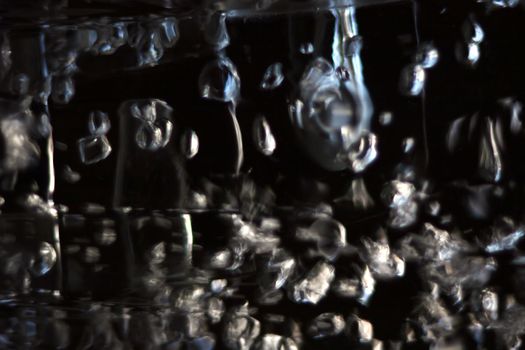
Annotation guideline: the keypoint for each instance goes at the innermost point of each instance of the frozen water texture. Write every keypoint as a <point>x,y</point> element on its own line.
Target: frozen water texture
<point>314,286</point>
<point>240,331</point>
<point>326,325</point>
<point>359,329</point>
<point>330,236</point>
<point>20,151</point>
<point>93,149</point>
<point>277,267</point>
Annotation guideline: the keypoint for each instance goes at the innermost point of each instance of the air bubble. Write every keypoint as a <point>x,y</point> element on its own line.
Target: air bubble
<point>189,144</point>
<point>44,260</point>
<point>220,81</point>
<point>412,80</point>
<point>273,77</point>
<point>263,136</point>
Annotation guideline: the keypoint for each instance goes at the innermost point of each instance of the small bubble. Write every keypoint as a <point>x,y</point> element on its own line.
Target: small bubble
<point>220,81</point>
<point>326,325</point>
<point>169,31</point>
<point>45,259</point>
<point>427,56</point>
<point>472,31</point>
<point>408,145</point>
<point>412,80</point>
<point>468,54</point>
<point>69,175</point>
<point>93,149</point>
<point>105,236</point>
<point>148,137</point>
<point>63,90</point>
<point>156,254</point>
<point>189,144</point>
<point>330,236</point>
<point>385,118</point>
<point>353,45</point>
<point>91,255</point>
<point>273,77</point>
<point>306,48</point>
<point>215,309</point>
<point>98,123</point>
<point>363,152</point>
<point>490,162</point>
<point>263,136</point>
<point>20,84</point>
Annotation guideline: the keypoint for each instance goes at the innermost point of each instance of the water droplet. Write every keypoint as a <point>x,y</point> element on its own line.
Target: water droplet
<point>216,32</point>
<point>427,55</point>
<point>63,89</point>
<point>44,260</point>
<point>385,118</point>
<point>273,77</point>
<point>363,152</point>
<point>412,80</point>
<point>306,48</point>
<point>220,81</point>
<point>189,144</point>
<point>313,287</point>
<point>93,149</point>
<point>326,325</point>
<point>98,123</point>
<point>152,138</point>
<point>69,175</point>
<point>490,163</point>
<point>263,136</point>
